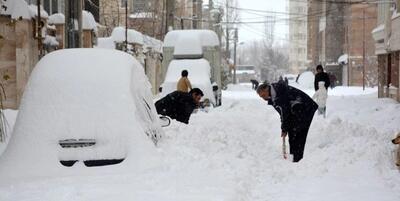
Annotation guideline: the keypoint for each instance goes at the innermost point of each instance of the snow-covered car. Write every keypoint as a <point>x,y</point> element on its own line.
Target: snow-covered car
<point>83,108</point>
<point>199,77</point>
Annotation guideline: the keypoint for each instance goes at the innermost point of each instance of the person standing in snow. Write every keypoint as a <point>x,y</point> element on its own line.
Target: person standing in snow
<point>320,97</point>
<point>184,83</point>
<point>296,110</point>
<point>321,76</point>
<point>254,84</point>
<point>332,79</point>
<point>179,105</point>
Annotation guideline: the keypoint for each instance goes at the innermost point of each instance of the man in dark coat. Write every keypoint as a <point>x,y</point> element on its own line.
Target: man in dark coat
<point>296,110</point>
<point>179,105</point>
<point>321,76</point>
<point>254,84</point>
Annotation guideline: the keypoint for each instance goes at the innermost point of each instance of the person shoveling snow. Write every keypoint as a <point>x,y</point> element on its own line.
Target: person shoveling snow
<point>179,105</point>
<point>296,110</point>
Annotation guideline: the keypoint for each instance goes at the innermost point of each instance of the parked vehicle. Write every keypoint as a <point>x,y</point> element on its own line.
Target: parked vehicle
<point>199,77</point>
<point>83,108</point>
<point>184,49</point>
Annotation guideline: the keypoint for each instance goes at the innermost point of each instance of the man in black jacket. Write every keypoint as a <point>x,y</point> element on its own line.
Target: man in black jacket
<point>296,110</point>
<point>179,105</point>
<point>321,76</point>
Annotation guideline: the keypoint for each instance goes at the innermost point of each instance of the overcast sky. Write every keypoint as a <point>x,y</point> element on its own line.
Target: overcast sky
<point>248,32</point>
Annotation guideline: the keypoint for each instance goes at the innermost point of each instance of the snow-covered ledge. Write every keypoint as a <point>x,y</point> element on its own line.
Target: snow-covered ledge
<point>379,37</point>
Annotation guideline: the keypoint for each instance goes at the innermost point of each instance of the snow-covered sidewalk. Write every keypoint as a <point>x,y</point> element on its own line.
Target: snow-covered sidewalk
<point>233,153</point>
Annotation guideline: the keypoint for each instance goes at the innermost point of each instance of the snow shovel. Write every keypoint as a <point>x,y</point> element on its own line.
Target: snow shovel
<point>284,152</point>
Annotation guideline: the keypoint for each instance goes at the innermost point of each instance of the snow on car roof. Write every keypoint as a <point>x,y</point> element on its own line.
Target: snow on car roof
<point>190,42</point>
<point>80,94</point>
<point>207,37</point>
<point>188,45</point>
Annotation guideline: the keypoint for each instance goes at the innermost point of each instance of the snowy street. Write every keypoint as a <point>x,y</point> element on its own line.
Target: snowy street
<point>233,153</point>
<point>200,100</point>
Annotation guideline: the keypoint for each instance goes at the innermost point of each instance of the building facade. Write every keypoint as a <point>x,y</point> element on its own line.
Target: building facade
<point>298,36</point>
<point>111,15</point>
<point>387,48</point>
<point>360,69</point>
<point>339,38</point>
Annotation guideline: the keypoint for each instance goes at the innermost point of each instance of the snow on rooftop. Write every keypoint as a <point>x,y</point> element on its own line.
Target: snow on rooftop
<point>88,21</point>
<point>188,46</point>
<point>56,18</point>
<point>199,76</point>
<point>206,37</point>
<point>16,9</point>
<point>118,35</point>
<point>153,43</point>
<point>33,10</point>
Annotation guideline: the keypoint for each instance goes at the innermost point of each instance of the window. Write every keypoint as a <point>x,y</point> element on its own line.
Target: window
<point>51,6</point>
<point>93,7</point>
<point>123,3</point>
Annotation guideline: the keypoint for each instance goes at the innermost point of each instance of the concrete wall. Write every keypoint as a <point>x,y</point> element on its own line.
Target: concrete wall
<point>153,70</point>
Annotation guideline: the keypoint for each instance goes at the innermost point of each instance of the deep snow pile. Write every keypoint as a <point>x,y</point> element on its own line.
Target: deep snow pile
<point>233,153</point>
<point>306,80</point>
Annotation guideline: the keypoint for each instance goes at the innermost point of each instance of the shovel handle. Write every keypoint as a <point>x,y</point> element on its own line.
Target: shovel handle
<point>284,147</point>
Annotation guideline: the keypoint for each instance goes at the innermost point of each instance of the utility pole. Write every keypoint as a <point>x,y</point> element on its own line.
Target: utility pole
<point>364,48</point>
<point>80,32</point>
<point>170,7</point>
<point>182,24</point>
<point>163,13</point>
<point>126,25</point>
<point>227,32</point>
<point>234,55</point>
<point>39,30</point>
